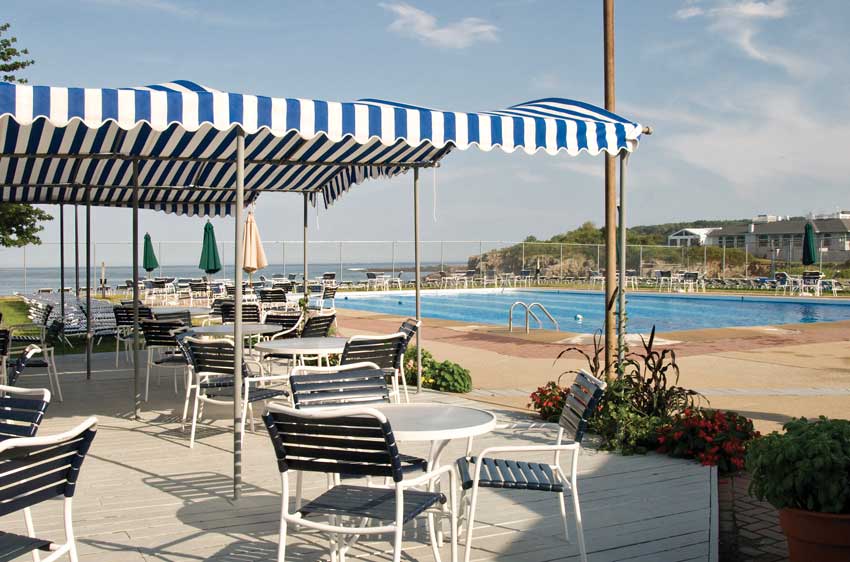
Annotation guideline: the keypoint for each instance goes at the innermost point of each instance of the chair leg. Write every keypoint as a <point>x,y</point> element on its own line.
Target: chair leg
<point>194,418</point>
<point>403,380</point>
<point>69,531</point>
<point>470,523</point>
<point>186,401</point>
<point>117,348</point>
<point>148,373</point>
<point>31,532</point>
<point>281,545</point>
<point>579,528</point>
<point>52,362</point>
<point>399,529</point>
<point>564,516</point>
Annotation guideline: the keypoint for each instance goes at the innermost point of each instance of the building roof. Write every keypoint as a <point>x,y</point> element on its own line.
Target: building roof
<point>793,226</point>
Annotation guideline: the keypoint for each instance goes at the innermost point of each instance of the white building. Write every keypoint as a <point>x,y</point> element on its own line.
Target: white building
<point>690,236</point>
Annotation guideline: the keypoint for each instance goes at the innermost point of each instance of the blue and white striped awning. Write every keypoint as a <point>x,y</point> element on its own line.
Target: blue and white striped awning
<point>56,142</point>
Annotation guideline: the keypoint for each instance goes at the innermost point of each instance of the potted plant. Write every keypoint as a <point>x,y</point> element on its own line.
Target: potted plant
<point>805,473</point>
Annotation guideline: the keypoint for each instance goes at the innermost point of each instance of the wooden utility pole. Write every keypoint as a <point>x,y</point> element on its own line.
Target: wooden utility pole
<point>610,197</point>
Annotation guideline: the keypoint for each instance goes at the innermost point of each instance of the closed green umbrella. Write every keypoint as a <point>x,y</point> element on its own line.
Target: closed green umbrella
<point>810,251</point>
<point>210,262</point>
<point>148,257</point>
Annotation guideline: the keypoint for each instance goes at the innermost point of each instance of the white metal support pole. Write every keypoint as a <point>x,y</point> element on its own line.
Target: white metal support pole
<point>418,278</point>
<point>26,290</point>
<point>393,252</point>
<point>62,263</point>
<point>237,308</point>
<point>89,334</point>
<point>76,251</point>
<point>621,340</point>
<point>340,261</point>
<point>306,287</point>
<point>283,256</point>
<point>137,393</point>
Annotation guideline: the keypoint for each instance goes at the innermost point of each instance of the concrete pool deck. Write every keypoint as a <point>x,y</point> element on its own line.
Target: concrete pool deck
<point>769,373</point>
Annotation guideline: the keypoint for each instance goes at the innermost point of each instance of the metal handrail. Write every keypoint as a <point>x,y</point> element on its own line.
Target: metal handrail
<point>546,312</point>
<point>530,313</point>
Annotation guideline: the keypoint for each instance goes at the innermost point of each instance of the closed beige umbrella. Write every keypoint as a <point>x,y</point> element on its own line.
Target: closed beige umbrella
<point>252,247</point>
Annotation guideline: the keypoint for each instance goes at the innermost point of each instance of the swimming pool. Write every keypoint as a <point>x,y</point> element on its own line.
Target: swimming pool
<point>667,312</point>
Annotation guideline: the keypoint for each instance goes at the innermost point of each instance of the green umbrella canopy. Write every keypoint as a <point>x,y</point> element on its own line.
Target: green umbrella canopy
<point>809,248</point>
<point>210,262</point>
<point>149,262</point>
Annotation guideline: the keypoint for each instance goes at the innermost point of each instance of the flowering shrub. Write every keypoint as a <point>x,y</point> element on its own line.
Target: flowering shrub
<point>712,437</point>
<point>549,400</point>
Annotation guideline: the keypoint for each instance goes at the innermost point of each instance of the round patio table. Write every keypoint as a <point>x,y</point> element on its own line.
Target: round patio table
<point>248,329</point>
<point>194,311</point>
<point>303,346</point>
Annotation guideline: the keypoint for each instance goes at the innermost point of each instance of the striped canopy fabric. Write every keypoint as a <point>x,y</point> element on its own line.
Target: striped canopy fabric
<point>56,141</point>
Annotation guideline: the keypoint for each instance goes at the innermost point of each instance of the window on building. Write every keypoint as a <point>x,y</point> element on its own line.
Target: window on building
<point>763,241</point>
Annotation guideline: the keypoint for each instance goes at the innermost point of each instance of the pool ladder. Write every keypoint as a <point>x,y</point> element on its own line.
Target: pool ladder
<point>529,313</point>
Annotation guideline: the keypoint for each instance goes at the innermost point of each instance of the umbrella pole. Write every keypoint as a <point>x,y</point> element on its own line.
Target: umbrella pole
<point>621,340</point>
<point>306,290</point>
<point>88,285</point>
<point>237,324</point>
<point>137,394</point>
<point>418,268</point>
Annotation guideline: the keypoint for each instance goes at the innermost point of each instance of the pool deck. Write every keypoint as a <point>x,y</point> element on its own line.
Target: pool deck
<point>144,495</point>
<point>770,373</point>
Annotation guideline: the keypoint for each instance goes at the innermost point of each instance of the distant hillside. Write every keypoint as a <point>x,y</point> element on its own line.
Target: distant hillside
<point>652,234</point>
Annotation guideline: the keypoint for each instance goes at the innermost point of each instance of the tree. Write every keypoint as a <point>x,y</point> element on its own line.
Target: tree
<point>19,223</point>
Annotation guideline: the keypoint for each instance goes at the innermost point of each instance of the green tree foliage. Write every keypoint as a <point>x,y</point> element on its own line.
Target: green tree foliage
<point>19,223</point>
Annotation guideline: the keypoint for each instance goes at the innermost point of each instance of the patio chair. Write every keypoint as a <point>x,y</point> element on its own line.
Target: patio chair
<point>288,321</point>
<point>274,298</point>
<point>356,384</point>
<point>163,351</point>
<point>21,411</point>
<point>4,354</point>
<point>199,293</point>
<point>44,345</point>
<point>484,471</point>
<point>211,363</point>
<point>35,470</point>
<point>124,327</point>
<point>250,312</point>
<point>409,328</point>
<point>326,302</point>
<point>354,441</point>
<point>34,331</point>
<point>318,326</point>
<point>811,282</point>
<point>383,351</point>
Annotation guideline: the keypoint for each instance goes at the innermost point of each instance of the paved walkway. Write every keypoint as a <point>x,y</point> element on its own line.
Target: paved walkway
<point>749,529</point>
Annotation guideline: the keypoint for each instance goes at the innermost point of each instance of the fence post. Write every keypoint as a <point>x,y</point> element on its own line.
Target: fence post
<point>160,258</point>
<point>25,270</point>
<point>746,260</point>
<point>480,259</point>
<point>705,258</point>
<point>597,259</point>
<point>724,261</point>
<point>522,265</point>
<point>442,263</point>
<point>283,255</point>
<point>393,261</point>
<point>561,264</point>
<point>640,261</point>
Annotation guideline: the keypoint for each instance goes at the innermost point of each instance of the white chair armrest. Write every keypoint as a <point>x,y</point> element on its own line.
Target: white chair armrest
<point>429,476</point>
<point>530,449</point>
<point>267,378</point>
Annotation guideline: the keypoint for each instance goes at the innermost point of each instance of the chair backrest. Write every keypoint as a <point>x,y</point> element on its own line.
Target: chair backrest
<point>371,275</point>
<point>292,276</point>
<point>275,295</point>
<point>350,385</point>
<point>183,316</point>
<point>215,308</point>
<point>409,328</point>
<point>329,276</point>
<point>383,351</point>
<point>318,326</point>
<point>199,287</point>
<point>36,469</point>
<point>4,343</point>
<point>210,356</point>
<point>250,312</point>
<point>581,404</point>
<point>39,313</point>
<point>355,441</point>
<point>160,332</point>
<point>124,314</point>
<point>21,411</point>
<point>286,320</point>
<point>691,276</point>
<point>17,369</point>
<point>53,333</point>
<point>329,292</point>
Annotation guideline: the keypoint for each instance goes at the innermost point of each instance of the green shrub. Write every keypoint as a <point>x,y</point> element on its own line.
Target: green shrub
<point>445,377</point>
<point>807,467</point>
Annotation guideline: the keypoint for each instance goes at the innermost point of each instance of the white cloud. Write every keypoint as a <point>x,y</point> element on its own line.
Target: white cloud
<point>411,21</point>
<point>740,24</point>
<point>176,9</point>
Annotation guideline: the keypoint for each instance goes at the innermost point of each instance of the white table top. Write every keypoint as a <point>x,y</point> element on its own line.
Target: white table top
<point>302,346</point>
<point>437,422</point>
<point>248,329</point>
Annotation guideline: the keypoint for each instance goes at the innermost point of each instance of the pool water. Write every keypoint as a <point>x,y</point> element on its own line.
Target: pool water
<point>666,312</point>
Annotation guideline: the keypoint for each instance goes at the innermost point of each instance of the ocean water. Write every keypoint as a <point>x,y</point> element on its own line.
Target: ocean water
<point>20,280</point>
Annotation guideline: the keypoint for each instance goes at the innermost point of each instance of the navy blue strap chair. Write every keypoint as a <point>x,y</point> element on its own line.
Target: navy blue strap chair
<point>384,351</point>
<point>410,327</point>
<point>289,322</point>
<point>211,363</point>
<point>274,298</point>
<point>353,441</point>
<point>124,326</point>
<point>318,326</point>
<point>21,411</point>
<point>34,470</point>
<point>199,293</point>
<point>326,302</point>
<point>4,352</point>
<point>163,352</point>
<point>47,360</point>
<point>488,472</point>
<point>250,312</point>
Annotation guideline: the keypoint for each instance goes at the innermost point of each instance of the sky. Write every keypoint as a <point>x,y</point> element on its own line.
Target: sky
<point>749,100</point>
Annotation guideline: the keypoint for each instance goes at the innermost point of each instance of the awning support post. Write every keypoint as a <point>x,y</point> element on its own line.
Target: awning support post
<point>304,256</point>
<point>76,251</point>
<point>137,392</point>
<point>610,195</point>
<point>237,308</point>
<point>418,278</point>
<point>621,340</point>
<point>62,263</point>
<point>89,334</point>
